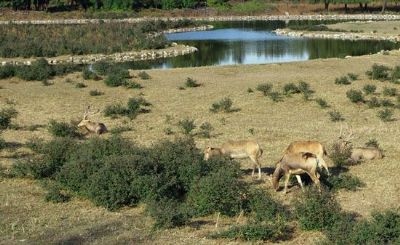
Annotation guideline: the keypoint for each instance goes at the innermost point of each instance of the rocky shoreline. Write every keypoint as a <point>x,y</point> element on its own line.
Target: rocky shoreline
<point>337,35</point>
<point>286,17</point>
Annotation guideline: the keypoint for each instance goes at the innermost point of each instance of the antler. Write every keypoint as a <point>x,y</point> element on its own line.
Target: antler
<point>88,113</point>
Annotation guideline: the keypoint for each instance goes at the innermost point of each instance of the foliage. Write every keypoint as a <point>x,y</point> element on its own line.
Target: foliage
<point>62,129</point>
<point>342,81</point>
<point>315,210</point>
<point>116,80</point>
<point>369,89</point>
<point>385,115</point>
<point>7,71</point>
<point>355,96</point>
<point>144,75</point>
<point>250,90</point>
<point>3,144</point>
<point>322,103</point>
<point>305,90</point>
<point>373,102</point>
<point>134,85</point>
<point>191,83</point>
<point>224,105</point>
<point>387,103</point>
<point>263,208</point>
<point>134,107</point>
<point>389,91</point>
<point>340,154</point>
<point>120,129</point>
<point>336,116</point>
<point>395,76</point>
<point>55,194</point>
<point>6,115</point>
<point>187,126</point>
<point>372,143</point>
<point>352,76</point>
<point>290,88</point>
<point>205,130</point>
<point>88,74</point>
<point>378,72</point>
<point>265,88</point>
<point>344,181</point>
<point>275,96</point>
<point>80,85</point>
<point>95,93</point>
<point>168,213</point>
<point>39,70</point>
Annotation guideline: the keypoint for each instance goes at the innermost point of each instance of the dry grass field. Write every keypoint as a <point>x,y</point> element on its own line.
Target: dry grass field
<point>27,219</point>
<point>380,28</point>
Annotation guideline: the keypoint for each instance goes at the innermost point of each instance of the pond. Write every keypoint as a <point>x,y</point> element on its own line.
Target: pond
<point>231,43</point>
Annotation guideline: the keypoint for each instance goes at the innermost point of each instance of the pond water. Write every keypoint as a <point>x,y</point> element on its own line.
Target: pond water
<point>254,42</point>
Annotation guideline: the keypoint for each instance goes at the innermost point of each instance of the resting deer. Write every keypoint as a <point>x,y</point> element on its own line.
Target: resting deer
<point>296,163</point>
<point>90,126</point>
<point>238,149</point>
<point>313,147</point>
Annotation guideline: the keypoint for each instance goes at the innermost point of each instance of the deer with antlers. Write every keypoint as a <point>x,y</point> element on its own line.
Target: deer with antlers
<point>90,126</point>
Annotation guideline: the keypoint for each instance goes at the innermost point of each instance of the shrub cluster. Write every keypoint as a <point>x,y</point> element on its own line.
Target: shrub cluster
<point>322,103</point>
<point>385,115</point>
<point>378,72</point>
<point>191,83</point>
<point>355,96</point>
<point>6,115</point>
<point>342,80</point>
<point>335,116</point>
<point>134,107</point>
<point>265,88</point>
<point>340,153</point>
<point>290,88</point>
<point>369,89</point>
<point>224,105</point>
<point>144,75</point>
<point>63,129</point>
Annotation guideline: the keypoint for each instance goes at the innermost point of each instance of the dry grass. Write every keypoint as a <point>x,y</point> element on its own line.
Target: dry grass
<point>25,215</point>
<point>380,28</point>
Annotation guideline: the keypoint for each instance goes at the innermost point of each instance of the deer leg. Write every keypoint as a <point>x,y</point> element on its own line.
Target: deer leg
<point>323,164</point>
<point>256,163</point>
<point>287,177</point>
<point>299,181</point>
<point>240,215</point>
<point>216,223</point>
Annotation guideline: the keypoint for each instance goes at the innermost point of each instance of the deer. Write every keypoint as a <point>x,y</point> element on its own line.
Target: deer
<point>90,126</point>
<point>238,150</point>
<point>296,163</point>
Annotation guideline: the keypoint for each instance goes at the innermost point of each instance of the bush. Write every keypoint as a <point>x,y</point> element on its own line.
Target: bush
<point>3,144</point>
<point>372,143</point>
<point>378,72</point>
<point>341,230</point>
<point>344,181</point>
<point>373,102</point>
<point>265,88</point>
<point>55,194</point>
<point>389,91</point>
<point>290,88</point>
<point>168,213</point>
<point>218,192</point>
<point>263,208</point>
<point>39,70</point>
<point>134,107</point>
<point>395,76</point>
<point>205,130</point>
<point>114,110</point>
<point>102,67</point>
<point>275,96</point>
<point>369,89</point>
<point>115,80</point>
<point>95,93</point>
<point>187,126</point>
<point>336,116</point>
<point>387,103</point>
<point>224,105</point>
<point>191,83</point>
<point>352,76</point>
<point>88,74</point>
<point>6,115</point>
<point>274,232</point>
<point>355,96</point>
<point>316,211</point>
<point>80,85</point>
<point>62,129</point>
<point>342,81</point>
<point>134,85</point>
<point>322,103</point>
<point>385,115</point>
<point>250,90</point>
<point>7,71</point>
<point>340,154</point>
<point>306,90</point>
<point>143,75</point>
<point>120,129</point>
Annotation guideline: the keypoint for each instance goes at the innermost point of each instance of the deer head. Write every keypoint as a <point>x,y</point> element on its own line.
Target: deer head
<point>86,114</point>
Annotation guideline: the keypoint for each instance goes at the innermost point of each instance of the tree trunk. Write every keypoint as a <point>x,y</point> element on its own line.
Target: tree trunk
<point>384,6</point>
<point>326,5</point>
<point>361,6</point>
<point>365,6</point>
<point>345,7</point>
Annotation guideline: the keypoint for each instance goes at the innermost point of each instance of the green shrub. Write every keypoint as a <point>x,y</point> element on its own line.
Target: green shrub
<point>6,115</point>
<point>187,126</point>
<point>290,88</point>
<point>265,88</point>
<point>378,72</point>
<point>3,144</point>
<point>372,143</point>
<point>102,67</point>
<point>369,89</point>
<point>389,91</point>
<point>134,107</point>
<point>168,213</point>
<point>373,102</point>
<point>274,232</point>
<point>263,208</point>
<point>250,90</point>
<point>322,103</point>
<point>218,192</point>
<point>114,110</point>
<point>205,130</point>
<point>336,116</point>
<point>55,194</point>
<point>95,93</point>
<point>344,181</point>
<point>88,74</point>
<point>80,85</point>
<point>134,85</point>
<point>191,83</point>
<point>116,80</point>
<point>143,75</point>
<point>342,81</point>
<point>387,103</point>
<point>316,211</point>
<point>275,96</point>
<point>224,105</point>
<point>62,129</point>
<point>39,70</point>
<point>305,90</point>
<point>355,96</point>
<point>7,71</point>
<point>385,115</point>
<point>340,154</point>
<point>340,232</point>
<point>395,76</point>
<point>352,76</point>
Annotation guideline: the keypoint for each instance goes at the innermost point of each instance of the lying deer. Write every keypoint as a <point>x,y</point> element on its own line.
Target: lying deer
<point>296,163</point>
<point>90,126</point>
<point>313,147</point>
<point>238,149</point>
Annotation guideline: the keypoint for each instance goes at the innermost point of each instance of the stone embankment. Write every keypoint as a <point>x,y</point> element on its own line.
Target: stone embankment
<point>172,51</point>
<point>338,35</point>
<point>286,17</point>
<point>187,29</point>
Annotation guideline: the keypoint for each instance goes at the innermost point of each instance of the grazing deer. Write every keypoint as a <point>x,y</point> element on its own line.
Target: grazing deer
<point>90,126</point>
<point>237,150</point>
<point>313,147</point>
<point>296,163</point>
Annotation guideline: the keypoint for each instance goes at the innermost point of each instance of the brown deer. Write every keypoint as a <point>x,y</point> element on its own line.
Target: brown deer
<point>90,126</point>
<point>238,149</point>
